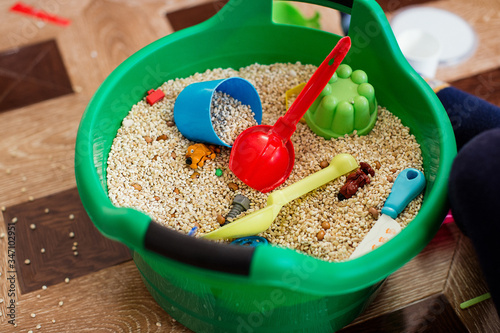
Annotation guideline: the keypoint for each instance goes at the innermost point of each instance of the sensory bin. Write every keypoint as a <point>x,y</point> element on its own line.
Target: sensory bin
<point>147,168</point>
<point>214,286</point>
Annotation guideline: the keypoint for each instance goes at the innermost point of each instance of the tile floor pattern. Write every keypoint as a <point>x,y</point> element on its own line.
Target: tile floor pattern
<point>34,73</point>
<point>186,17</point>
<point>46,223</point>
<point>31,74</point>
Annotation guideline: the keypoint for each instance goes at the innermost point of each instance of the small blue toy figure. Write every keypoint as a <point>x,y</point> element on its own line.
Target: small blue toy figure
<point>250,241</point>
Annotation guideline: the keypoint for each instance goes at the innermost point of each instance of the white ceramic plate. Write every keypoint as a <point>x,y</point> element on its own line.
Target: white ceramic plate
<point>457,38</point>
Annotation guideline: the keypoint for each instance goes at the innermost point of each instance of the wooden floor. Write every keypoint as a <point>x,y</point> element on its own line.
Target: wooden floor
<point>49,72</point>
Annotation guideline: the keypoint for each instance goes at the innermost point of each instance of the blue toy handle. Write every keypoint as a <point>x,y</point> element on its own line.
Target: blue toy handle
<point>409,183</point>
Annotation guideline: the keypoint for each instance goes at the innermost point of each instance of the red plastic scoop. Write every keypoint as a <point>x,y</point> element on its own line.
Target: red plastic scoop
<point>262,156</point>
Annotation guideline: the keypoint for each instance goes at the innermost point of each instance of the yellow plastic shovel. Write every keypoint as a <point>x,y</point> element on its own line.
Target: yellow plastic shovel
<point>260,220</point>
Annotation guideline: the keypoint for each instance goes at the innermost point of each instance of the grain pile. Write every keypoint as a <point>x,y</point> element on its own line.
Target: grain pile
<point>147,170</point>
<point>230,117</point>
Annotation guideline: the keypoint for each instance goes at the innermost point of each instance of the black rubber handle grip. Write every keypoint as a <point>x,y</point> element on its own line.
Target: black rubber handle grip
<point>346,3</point>
<point>202,253</point>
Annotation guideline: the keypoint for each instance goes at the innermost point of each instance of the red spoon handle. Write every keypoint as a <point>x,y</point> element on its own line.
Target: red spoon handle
<point>285,126</point>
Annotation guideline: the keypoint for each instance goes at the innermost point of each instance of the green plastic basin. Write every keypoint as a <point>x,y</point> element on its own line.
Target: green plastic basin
<point>211,287</point>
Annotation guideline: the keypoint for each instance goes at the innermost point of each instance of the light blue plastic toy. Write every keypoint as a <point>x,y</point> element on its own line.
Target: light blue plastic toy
<point>192,107</point>
<point>409,183</point>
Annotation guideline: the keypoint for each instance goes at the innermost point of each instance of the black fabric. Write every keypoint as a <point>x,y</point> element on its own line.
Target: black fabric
<point>202,253</point>
<point>474,194</point>
<point>346,3</point>
<point>469,115</point>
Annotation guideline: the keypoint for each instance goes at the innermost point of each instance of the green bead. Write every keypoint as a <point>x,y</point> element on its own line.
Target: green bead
<point>327,90</point>
<point>359,76</point>
<point>343,120</point>
<point>362,112</point>
<point>324,112</point>
<point>218,172</point>
<point>344,71</point>
<point>334,78</point>
<point>366,89</point>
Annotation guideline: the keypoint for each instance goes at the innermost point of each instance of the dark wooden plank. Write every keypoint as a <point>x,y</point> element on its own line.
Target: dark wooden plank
<point>465,282</point>
<point>484,85</point>
<point>187,17</point>
<point>433,314</point>
<point>392,5</point>
<point>37,228</point>
<point>32,74</point>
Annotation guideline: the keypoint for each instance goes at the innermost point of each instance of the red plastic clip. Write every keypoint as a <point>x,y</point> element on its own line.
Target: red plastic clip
<point>154,96</point>
<point>31,11</point>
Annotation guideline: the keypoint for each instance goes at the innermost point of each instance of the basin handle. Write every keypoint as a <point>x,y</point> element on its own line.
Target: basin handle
<point>198,252</point>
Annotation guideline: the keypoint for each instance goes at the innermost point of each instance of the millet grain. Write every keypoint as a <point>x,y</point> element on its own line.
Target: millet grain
<point>187,201</point>
<point>230,117</point>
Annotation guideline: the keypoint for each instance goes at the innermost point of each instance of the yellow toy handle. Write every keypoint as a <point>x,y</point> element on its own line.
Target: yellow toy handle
<point>260,220</point>
<point>339,165</point>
